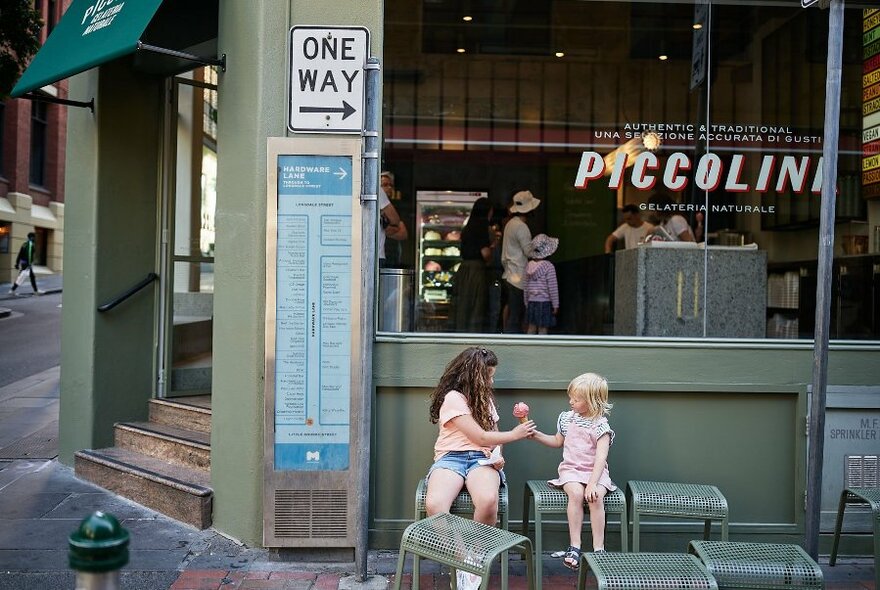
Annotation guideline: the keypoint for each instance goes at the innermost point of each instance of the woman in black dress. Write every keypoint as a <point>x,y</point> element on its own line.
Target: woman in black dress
<point>471,281</point>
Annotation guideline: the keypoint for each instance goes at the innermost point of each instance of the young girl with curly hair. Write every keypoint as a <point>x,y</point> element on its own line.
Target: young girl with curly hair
<point>463,404</point>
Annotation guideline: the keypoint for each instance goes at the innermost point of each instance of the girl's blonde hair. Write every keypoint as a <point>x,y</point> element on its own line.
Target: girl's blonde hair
<point>593,389</point>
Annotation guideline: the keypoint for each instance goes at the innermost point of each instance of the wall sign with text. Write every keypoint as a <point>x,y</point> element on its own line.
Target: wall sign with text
<point>313,313</point>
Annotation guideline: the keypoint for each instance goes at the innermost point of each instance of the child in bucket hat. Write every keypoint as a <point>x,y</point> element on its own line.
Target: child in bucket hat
<point>541,293</point>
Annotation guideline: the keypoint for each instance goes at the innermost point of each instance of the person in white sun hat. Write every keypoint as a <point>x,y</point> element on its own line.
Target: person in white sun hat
<point>514,246</point>
<point>541,290</point>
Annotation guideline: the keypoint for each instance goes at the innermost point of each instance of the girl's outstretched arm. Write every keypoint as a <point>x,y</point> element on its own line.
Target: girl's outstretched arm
<point>483,438</point>
<point>549,440</point>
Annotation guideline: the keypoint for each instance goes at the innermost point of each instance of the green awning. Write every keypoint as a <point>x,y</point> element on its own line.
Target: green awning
<point>91,32</point>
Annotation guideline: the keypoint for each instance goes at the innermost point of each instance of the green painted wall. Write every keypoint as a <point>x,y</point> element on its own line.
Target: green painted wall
<point>252,108</point>
<point>112,183</point>
<point>728,414</point>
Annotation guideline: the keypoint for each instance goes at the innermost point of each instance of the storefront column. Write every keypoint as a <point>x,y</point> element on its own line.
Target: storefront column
<point>251,108</point>
<point>113,179</point>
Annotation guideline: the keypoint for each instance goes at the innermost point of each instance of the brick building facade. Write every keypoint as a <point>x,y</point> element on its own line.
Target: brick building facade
<point>33,138</point>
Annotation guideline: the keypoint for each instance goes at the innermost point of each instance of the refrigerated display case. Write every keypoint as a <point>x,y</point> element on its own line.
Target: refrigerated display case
<point>440,217</point>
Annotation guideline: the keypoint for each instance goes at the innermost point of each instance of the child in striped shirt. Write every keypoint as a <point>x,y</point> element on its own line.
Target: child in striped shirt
<point>541,293</point>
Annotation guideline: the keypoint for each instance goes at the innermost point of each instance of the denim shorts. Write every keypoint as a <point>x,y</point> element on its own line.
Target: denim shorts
<point>462,463</point>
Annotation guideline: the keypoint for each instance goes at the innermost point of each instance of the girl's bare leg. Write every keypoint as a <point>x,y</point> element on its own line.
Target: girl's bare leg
<point>443,487</point>
<point>482,484</point>
<point>542,330</point>
<point>597,519</point>
<point>575,511</point>
<point>532,329</point>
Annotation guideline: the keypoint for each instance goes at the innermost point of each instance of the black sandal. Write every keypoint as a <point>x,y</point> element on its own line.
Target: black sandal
<point>572,557</point>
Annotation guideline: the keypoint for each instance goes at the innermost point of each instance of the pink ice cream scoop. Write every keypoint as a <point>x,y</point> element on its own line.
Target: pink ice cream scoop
<point>521,411</point>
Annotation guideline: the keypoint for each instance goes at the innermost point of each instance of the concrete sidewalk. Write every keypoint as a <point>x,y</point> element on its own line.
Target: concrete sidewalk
<point>47,282</point>
<point>42,502</point>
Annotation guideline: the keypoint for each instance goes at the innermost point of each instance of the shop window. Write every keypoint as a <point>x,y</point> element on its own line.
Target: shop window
<point>2,135</point>
<point>5,234</point>
<point>39,126</point>
<point>51,15</point>
<point>209,110</point>
<point>703,119</point>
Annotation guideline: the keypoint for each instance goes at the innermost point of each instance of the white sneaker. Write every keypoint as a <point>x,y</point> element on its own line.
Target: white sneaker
<point>467,581</point>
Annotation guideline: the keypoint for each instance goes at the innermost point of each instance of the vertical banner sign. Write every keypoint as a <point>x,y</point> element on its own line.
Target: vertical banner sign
<point>871,103</point>
<point>313,313</point>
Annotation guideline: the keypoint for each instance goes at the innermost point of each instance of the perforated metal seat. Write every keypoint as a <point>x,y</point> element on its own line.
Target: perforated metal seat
<point>860,496</point>
<point>676,500</point>
<point>463,504</point>
<point>643,571</point>
<point>462,544</point>
<point>758,566</point>
<point>547,499</point>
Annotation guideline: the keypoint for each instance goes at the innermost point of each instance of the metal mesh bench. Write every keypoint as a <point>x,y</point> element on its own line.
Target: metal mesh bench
<point>764,566</point>
<point>547,499</point>
<point>462,544</point>
<point>676,500</point>
<point>463,504</point>
<point>860,496</point>
<point>643,571</point>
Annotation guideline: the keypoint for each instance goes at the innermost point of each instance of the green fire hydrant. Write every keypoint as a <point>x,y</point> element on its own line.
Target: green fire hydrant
<point>98,550</point>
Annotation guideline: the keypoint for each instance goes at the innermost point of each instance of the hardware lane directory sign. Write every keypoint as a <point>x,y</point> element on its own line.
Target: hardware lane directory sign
<point>313,313</point>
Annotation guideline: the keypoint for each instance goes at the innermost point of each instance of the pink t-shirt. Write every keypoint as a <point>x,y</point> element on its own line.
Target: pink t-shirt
<point>450,437</point>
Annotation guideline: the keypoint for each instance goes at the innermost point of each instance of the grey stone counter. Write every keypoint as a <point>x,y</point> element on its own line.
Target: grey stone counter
<point>658,291</point>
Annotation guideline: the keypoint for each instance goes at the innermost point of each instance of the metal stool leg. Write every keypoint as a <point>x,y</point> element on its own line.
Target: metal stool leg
<point>837,528</point>
<point>707,529</point>
<point>635,535</point>
<point>504,555</point>
<point>416,558</point>
<point>530,566</point>
<point>876,550</point>
<point>725,528</point>
<point>539,551</point>
<point>399,574</point>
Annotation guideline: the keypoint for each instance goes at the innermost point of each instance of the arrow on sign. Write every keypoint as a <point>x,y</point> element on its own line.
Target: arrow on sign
<point>346,109</point>
<point>342,173</point>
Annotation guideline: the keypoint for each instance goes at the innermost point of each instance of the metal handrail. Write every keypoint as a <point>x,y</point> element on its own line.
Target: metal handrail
<point>119,299</point>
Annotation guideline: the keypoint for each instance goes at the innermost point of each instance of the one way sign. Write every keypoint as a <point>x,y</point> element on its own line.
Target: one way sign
<point>327,79</point>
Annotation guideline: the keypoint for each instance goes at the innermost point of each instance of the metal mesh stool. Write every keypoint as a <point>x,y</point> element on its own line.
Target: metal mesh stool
<point>552,500</point>
<point>462,544</point>
<point>860,496</point>
<point>677,500</point>
<point>463,504</point>
<point>764,566</point>
<point>643,571</point>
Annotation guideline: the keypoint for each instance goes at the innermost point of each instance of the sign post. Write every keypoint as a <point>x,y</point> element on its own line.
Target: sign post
<point>816,430</point>
<point>327,79</point>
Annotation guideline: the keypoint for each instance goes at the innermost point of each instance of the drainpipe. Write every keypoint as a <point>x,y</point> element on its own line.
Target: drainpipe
<point>831,134</point>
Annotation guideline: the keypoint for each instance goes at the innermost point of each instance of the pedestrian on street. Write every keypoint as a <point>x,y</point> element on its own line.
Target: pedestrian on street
<point>24,263</point>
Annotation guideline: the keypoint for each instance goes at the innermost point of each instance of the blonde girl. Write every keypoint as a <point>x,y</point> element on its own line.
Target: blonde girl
<point>585,437</point>
<point>463,405</point>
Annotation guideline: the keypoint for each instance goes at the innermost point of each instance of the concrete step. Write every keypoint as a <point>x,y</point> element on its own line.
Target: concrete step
<point>179,492</point>
<point>191,380</point>
<point>189,413</point>
<point>178,446</point>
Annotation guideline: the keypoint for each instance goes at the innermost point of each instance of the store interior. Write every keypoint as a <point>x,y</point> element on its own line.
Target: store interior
<point>487,98</point>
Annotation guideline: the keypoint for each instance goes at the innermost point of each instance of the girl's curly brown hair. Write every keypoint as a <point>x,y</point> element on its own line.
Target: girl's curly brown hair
<point>468,374</point>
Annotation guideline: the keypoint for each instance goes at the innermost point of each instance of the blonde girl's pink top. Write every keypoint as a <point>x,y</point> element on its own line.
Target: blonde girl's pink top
<point>579,449</point>
<point>451,438</point>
